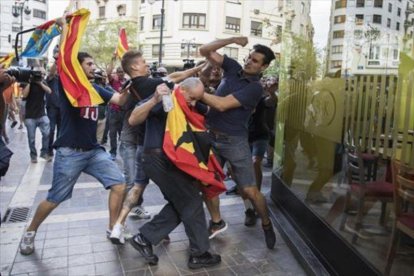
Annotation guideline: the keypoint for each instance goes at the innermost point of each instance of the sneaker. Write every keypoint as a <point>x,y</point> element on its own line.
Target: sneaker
<point>270,236</point>
<point>250,219</point>
<point>216,228</point>
<point>232,191</point>
<point>20,127</point>
<point>127,235</point>
<point>108,233</point>
<point>33,159</point>
<point>13,124</point>
<point>46,156</point>
<point>113,157</point>
<point>140,243</point>
<point>360,234</point>
<point>27,243</point>
<point>140,212</point>
<point>117,234</point>
<point>204,260</point>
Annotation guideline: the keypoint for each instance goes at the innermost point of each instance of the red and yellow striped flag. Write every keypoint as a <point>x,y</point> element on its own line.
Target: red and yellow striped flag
<point>7,60</point>
<point>76,85</point>
<point>122,46</point>
<point>187,145</point>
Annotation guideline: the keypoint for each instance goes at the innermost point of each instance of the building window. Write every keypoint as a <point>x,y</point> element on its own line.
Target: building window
<point>190,50</point>
<point>302,10</point>
<point>234,1</point>
<point>377,19</point>
<point>141,23</point>
<point>389,7</point>
<point>121,10</point>
<point>337,49</point>
<point>338,34</point>
<point>358,34</point>
<point>395,54</point>
<point>231,52</point>
<point>359,19</point>
<point>194,20</point>
<point>374,52</point>
<point>336,63</point>
<point>340,4</point>
<point>142,1</point>
<point>378,4</point>
<point>42,1</point>
<point>233,24</point>
<point>397,27</point>
<point>156,22</point>
<point>15,29</point>
<point>399,11</point>
<point>102,12</point>
<point>39,14</point>
<point>256,28</point>
<point>156,50</point>
<point>388,23</point>
<point>339,19</point>
<point>360,3</point>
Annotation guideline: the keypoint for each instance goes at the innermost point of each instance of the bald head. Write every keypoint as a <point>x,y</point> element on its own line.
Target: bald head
<point>192,90</point>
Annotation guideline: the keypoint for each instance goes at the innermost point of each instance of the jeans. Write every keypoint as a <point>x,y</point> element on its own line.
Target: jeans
<point>184,204</point>
<point>53,114</point>
<point>128,154</point>
<point>43,124</point>
<point>115,126</point>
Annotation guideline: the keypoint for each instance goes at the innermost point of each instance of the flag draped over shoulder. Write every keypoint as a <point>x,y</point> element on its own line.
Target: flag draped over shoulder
<point>40,40</point>
<point>7,60</point>
<point>76,85</point>
<point>122,46</point>
<point>187,145</point>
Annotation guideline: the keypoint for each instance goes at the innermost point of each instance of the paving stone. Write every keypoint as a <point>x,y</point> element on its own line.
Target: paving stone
<point>81,231</point>
<point>102,246</point>
<point>140,272</point>
<point>62,233</point>
<point>108,268</point>
<point>105,256</point>
<point>80,249</point>
<point>54,252</point>
<point>83,259</point>
<point>81,270</point>
<point>49,243</point>
<point>221,272</point>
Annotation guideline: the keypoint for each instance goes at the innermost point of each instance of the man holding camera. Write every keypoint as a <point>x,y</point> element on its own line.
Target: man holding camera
<point>34,93</point>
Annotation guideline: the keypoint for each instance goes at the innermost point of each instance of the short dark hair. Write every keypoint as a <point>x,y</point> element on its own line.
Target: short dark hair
<point>266,51</point>
<point>128,59</point>
<point>82,56</point>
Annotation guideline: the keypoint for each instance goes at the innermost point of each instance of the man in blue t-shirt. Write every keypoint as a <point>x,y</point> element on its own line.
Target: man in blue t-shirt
<point>231,107</point>
<point>77,150</point>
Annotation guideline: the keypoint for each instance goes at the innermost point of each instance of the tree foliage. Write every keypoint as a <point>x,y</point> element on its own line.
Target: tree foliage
<point>100,39</point>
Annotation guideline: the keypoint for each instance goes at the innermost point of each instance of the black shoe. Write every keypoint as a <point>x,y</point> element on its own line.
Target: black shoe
<point>250,219</point>
<point>13,124</point>
<point>270,236</point>
<point>216,228</point>
<point>204,260</point>
<point>46,156</point>
<point>232,191</point>
<point>140,243</point>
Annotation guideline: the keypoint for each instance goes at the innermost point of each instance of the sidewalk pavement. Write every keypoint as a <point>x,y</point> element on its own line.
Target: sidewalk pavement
<point>72,241</point>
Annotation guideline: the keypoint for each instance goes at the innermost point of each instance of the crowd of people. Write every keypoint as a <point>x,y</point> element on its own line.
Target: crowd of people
<point>235,102</point>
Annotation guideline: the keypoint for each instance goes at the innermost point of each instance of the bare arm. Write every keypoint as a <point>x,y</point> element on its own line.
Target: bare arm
<point>110,67</point>
<point>209,50</point>
<point>177,77</point>
<point>45,87</point>
<point>121,97</point>
<point>221,103</point>
<point>26,91</point>
<point>140,113</point>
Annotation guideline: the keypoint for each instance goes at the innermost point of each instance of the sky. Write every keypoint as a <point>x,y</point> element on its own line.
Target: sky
<point>320,11</point>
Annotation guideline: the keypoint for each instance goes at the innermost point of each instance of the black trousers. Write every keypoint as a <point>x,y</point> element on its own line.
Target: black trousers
<point>185,204</point>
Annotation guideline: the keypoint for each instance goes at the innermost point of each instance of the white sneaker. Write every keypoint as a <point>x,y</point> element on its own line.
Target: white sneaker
<point>127,235</point>
<point>140,212</point>
<point>117,234</point>
<point>27,243</point>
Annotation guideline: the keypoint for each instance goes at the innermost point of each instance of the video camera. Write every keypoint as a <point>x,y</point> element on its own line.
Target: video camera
<point>188,64</point>
<point>24,74</point>
<point>154,72</point>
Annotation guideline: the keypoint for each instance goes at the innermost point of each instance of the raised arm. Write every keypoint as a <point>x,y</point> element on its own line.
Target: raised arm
<point>209,50</point>
<point>177,77</point>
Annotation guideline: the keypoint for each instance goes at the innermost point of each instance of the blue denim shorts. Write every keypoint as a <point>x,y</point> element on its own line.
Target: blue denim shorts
<point>68,165</point>
<point>236,151</point>
<point>140,176</point>
<point>259,147</point>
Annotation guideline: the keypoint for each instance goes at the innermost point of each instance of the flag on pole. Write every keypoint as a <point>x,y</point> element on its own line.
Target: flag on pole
<point>76,85</point>
<point>187,145</point>
<point>122,46</point>
<point>40,40</point>
<point>7,60</point>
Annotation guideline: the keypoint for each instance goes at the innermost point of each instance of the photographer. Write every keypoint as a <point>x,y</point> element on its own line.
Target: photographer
<point>34,93</point>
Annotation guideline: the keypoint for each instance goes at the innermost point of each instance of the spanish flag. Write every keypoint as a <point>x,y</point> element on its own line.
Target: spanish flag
<point>40,40</point>
<point>7,60</point>
<point>122,43</point>
<point>76,85</point>
<point>187,145</point>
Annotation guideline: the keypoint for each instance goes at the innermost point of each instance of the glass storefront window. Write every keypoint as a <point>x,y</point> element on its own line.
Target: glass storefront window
<point>348,91</point>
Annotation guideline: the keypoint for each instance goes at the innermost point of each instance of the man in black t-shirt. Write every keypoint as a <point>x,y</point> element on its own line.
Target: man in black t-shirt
<point>34,93</point>
<point>77,151</point>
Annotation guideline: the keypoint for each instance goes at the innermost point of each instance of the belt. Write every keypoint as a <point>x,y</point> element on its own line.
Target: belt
<point>80,149</point>
<point>153,150</point>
